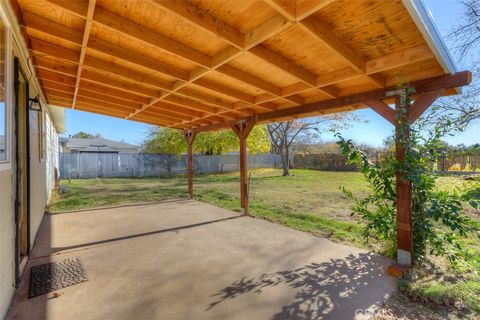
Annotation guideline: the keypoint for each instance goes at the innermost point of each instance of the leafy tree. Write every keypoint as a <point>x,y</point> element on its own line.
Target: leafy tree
<point>85,135</point>
<point>438,217</point>
<point>166,140</point>
<point>282,135</point>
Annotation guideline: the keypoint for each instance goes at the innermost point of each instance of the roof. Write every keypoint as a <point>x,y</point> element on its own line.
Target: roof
<point>58,115</point>
<point>203,64</point>
<point>98,144</point>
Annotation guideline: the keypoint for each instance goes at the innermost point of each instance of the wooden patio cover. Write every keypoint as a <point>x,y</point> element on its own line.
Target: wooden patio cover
<point>204,64</point>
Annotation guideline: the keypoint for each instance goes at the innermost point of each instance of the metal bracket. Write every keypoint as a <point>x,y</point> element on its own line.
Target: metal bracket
<point>395,92</point>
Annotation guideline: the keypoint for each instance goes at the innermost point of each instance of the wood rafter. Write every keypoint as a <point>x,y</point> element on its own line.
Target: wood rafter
<point>382,109</point>
<point>83,50</point>
<point>458,79</point>
<point>73,74</point>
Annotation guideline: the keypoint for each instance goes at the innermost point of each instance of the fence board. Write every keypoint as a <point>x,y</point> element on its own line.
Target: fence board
<point>124,165</point>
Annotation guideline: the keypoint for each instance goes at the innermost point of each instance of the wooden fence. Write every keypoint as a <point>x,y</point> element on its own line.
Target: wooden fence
<point>113,165</point>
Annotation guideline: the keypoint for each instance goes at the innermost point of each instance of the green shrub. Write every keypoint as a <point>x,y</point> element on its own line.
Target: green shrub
<point>438,217</point>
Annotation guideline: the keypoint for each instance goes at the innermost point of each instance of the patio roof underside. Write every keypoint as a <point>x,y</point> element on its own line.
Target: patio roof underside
<point>196,64</point>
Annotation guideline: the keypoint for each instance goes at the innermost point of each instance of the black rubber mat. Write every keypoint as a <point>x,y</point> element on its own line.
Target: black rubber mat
<point>52,276</point>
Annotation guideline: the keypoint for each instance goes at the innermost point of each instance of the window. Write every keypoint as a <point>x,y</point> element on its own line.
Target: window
<point>3,108</point>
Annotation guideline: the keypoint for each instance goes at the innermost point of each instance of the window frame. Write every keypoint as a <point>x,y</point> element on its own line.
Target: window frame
<point>6,164</point>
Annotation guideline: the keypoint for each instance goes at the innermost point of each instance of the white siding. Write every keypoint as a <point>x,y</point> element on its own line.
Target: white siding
<point>52,146</point>
<point>7,236</point>
<point>41,170</point>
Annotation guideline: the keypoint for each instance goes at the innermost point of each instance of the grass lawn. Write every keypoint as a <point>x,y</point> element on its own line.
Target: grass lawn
<point>307,200</point>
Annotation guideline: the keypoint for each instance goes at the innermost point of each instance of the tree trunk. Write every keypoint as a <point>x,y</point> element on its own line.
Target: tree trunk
<point>285,161</point>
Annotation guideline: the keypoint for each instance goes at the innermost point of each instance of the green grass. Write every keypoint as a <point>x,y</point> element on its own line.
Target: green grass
<point>307,200</point>
<point>455,284</point>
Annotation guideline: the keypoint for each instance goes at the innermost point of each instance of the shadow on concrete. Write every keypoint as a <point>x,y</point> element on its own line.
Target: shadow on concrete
<point>337,289</point>
<point>132,236</point>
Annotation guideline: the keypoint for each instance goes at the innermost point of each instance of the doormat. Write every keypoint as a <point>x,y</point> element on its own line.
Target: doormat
<point>53,276</point>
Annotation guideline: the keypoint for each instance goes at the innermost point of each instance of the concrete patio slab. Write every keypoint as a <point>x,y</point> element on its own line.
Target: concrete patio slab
<point>190,260</point>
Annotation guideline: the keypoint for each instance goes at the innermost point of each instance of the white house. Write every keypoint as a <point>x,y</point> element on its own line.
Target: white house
<point>97,145</point>
<point>29,131</point>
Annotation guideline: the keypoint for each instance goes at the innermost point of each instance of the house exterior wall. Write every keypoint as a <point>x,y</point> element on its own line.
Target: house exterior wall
<point>7,236</point>
<point>42,172</point>
<point>42,167</point>
<point>7,188</point>
<point>53,151</point>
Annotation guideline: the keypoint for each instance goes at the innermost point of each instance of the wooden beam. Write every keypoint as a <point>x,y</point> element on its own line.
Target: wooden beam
<point>162,105</point>
<point>209,99</point>
<point>305,8</point>
<point>156,122</point>
<point>126,73</point>
<point>167,113</point>
<point>136,58</point>
<point>55,65</point>
<point>110,91</point>
<point>422,102</point>
<point>257,83</point>
<point>398,59</point>
<point>150,37</point>
<point>116,83</point>
<point>46,84</point>
<point>273,25</point>
<point>56,77</point>
<point>404,189</point>
<point>382,109</point>
<point>83,50</point>
<point>242,129</point>
<point>324,33</point>
<point>95,63</point>
<point>52,50</point>
<point>259,34</point>
<point>35,22</point>
<point>203,20</point>
<point>336,76</point>
<point>284,64</point>
<point>190,104</point>
<point>106,98</point>
<point>222,89</point>
<point>458,79</point>
<point>287,8</point>
<point>77,7</point>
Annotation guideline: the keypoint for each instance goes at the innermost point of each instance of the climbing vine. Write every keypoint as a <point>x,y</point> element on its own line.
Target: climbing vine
<point>438,217</point>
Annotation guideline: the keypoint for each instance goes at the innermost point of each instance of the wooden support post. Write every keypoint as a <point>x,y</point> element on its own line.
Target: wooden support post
<point>242,130</point>
<point>402,119</point>
<point>404,189</point>
<point>190,137</point>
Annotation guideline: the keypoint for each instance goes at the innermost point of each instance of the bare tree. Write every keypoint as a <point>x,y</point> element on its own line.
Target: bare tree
<point>463,109</point>
<point>283,134</point>
<point>466,34</point>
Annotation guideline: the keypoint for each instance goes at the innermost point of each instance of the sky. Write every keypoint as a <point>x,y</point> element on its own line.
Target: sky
<point>445,14</point>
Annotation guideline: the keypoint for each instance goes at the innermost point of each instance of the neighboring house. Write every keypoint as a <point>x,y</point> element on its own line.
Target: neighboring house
<point>29,154</point>
<point>73,145</point>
